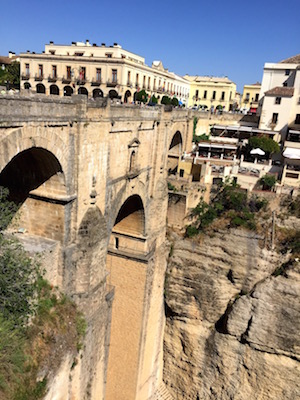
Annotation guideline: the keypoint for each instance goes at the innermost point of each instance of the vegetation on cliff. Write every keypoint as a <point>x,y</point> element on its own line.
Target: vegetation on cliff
<point>230,203</point>
<point>38,324</point>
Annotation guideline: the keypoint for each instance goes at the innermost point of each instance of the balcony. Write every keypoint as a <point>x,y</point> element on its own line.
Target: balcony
<point>96,82</point>
<point>111,83</point>
<point>66,79</point>
<point>25,77</point>
<point>52,78</point>
<point>81,80</point>
<point>39,78</point>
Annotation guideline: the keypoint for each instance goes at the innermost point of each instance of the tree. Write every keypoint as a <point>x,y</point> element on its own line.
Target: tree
<point>7,209</point>
<point>268,181</point>
<point>264,143</point>
<point>166,100</point>
<point>142,96</point>
<point>174,102</point>
<point>11,75</point>
<point>153,100</point>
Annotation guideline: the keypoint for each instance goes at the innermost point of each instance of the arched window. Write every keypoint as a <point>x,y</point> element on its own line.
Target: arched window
<point>68,91</point>
<point>54,90</point>
<point>83,90</point>
<point>97,93</point>
<point>27,85</point>
<point>132,161</point>
<point>40,88</point>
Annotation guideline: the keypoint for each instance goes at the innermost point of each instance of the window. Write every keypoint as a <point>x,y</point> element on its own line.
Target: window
<point>68,72</point>
<point>297,120</point>
<point>154,84</point>
<point>181,173</point>
<point>247,97</point>
<point>205,94</point>
<point>223,96</point>
<point>274,118</point>
<point>197,94</point>
<point>52,52</point>
<point>82,74</point>
<point>149,82</point>
<point>256,97</point>
<point>137,80</point>
<point>108,55</point>
<point>144,82</point>
<point>98,74</point>
<point>287,72</point>
<point>128,78</point>
<point>116,242</point>
<point>78,54</point>
<point>230,95</point>
<point>114,75</point>
<point>54,71</point>
<point>284,84</point>
<point>278,100</point>
<point>214,95</point>
<point>27,69</point>
<point>40,70</point>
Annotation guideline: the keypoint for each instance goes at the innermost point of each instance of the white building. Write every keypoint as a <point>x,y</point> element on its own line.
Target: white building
<point>280,111</point>
<point>97,71</point>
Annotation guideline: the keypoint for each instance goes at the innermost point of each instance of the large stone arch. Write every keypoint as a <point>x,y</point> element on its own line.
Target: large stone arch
<point>174,152</point>
<point>36,184</point>
<point>22,139</point>
<point>127,262</point>
<point>33,169</point>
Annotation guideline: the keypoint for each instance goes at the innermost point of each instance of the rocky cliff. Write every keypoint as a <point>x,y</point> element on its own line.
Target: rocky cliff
<point>233,319</point>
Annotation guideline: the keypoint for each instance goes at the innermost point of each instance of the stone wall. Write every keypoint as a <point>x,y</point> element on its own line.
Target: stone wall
<point>232,324</point>
<point>91,145</point>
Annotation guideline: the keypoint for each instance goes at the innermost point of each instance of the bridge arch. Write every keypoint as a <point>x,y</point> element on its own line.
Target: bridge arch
<point>36,184</point>
<point>174,153</point>
<point>127,265</point>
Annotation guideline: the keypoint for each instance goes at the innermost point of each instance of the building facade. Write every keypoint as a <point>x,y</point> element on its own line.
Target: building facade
<point>210,92</point>
<point>98,71</point>
<point>280,111</point>
<point>250,98</point>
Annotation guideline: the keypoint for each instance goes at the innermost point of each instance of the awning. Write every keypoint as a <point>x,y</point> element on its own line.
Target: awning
<point>218,146</point>
<point>291,153</point>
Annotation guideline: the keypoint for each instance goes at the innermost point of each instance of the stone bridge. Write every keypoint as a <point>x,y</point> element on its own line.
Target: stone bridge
<point>89,179</point>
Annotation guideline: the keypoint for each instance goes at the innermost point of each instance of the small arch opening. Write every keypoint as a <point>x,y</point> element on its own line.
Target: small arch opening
<point>40,88</point>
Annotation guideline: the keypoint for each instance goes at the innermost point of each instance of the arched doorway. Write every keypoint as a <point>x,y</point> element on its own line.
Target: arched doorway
<point>174,153</point>
<point>34,178</point>
<point>27,85</point>
<point>113,94</point>
<point>97,93</point>
<point>40,88</point>
<point>68,91</point>
<point>83,90</point>
<point>127,267</point>
<point>54,90</point>
<point>127,96</point>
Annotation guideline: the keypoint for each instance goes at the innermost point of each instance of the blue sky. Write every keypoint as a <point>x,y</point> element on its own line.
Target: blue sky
<point>233,38</point>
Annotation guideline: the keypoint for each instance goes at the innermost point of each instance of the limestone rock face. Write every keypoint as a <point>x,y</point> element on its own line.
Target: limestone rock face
<point>232,329</point>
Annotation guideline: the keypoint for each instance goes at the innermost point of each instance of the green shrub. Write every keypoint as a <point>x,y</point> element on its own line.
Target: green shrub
<point>268,181</point>
<point>166,100</point>
<point>191,231</point>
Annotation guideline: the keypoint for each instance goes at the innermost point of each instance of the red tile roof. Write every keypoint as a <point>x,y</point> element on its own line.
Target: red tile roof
<point>281,91</point>
<point>292,60</point>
